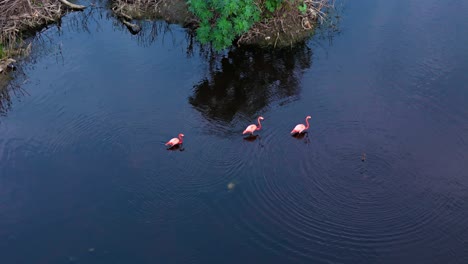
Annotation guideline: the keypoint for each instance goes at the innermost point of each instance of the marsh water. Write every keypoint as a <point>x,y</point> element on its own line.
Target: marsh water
<point>381,176</point>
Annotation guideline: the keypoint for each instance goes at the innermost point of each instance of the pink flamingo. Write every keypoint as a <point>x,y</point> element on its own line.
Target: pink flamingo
<point>251,128</point>
<point>175,141</point>
<point>301,128</point>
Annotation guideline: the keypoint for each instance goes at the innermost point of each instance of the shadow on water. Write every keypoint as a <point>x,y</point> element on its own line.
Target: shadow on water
<point>5,100</point>
<point>44,43</point>
<point>302,137</point>
<point>11,88</point>
<point>245,80</point>
<point>251,138</point>
<point>43,46</point>
<point>176,148</point>
<point>248,80</point>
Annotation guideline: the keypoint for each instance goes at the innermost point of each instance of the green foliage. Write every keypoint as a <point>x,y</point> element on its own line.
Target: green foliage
<point>221,21</point>
<point>302,8</point>
<point>273,5</point>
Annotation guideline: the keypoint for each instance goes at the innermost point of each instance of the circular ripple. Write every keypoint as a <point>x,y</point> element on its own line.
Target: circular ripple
<point>307,207</point>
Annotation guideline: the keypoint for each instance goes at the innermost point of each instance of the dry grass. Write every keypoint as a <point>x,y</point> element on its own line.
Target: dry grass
<point>288,24</point>
<point>135,8</point>
<point>17,16</point>
<point>172,11</point>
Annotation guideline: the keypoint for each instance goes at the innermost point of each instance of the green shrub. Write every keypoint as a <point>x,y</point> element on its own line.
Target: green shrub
<point>222,21</point>
<point>273,5</point>
<point>302,7</point>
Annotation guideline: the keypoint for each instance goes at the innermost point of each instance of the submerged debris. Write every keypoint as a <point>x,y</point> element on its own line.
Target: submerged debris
<point>133,28</point>
<point>231,185</point>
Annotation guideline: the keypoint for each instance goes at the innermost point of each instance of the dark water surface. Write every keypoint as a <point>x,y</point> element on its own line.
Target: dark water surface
<point>85,176</point>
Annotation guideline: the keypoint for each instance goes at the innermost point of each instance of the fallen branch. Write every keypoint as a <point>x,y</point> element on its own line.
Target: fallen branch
<point>72,6</point>
<point>124,18</point>
<point>133,28</point>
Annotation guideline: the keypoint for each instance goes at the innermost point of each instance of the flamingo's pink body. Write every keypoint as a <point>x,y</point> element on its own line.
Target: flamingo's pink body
<point>252,128</point>
<point>301,127</point>
<point>175,141</point>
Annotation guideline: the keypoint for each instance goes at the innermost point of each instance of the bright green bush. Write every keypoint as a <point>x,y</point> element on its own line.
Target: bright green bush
<point>302,7</point>
<point>221,21</point>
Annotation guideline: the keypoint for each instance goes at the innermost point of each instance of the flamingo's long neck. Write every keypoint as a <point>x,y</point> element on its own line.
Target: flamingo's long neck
<point>259,124</point>
<point>307,122</point>
<point>180,138</point>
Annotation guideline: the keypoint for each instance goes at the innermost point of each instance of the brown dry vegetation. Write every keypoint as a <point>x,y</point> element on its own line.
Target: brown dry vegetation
<point>288,24</point>
<point>17,16</point>
<point>20,16</point>
<point>172,11</point>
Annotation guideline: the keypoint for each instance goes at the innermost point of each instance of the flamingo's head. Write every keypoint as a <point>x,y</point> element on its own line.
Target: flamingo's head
<point>261,117</point>
<point>308,117</point>
<point>181,135</point>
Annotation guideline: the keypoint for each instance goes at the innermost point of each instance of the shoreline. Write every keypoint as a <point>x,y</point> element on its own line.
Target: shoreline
<point>21,19</point>
<point>284,27</point>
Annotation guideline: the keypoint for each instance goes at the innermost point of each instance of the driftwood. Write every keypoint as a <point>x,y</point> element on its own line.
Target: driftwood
<point>133,28</point>
<point>125,19</point>
<point>124,16</point>
<point>72,6</point>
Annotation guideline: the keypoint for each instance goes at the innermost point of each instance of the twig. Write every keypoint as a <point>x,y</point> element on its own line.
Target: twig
<point>72,6</point>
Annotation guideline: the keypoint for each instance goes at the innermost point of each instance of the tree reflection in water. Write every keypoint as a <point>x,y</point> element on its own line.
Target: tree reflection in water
<point>5,97</point>
<point>248,80</point>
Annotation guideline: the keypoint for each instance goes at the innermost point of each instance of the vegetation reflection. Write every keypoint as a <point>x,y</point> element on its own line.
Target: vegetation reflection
<point>248,80</point>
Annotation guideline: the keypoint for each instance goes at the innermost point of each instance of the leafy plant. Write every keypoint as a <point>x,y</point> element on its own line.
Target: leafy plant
<point>221,21</point>
<point>302,8</point>
<point>273,5</point>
